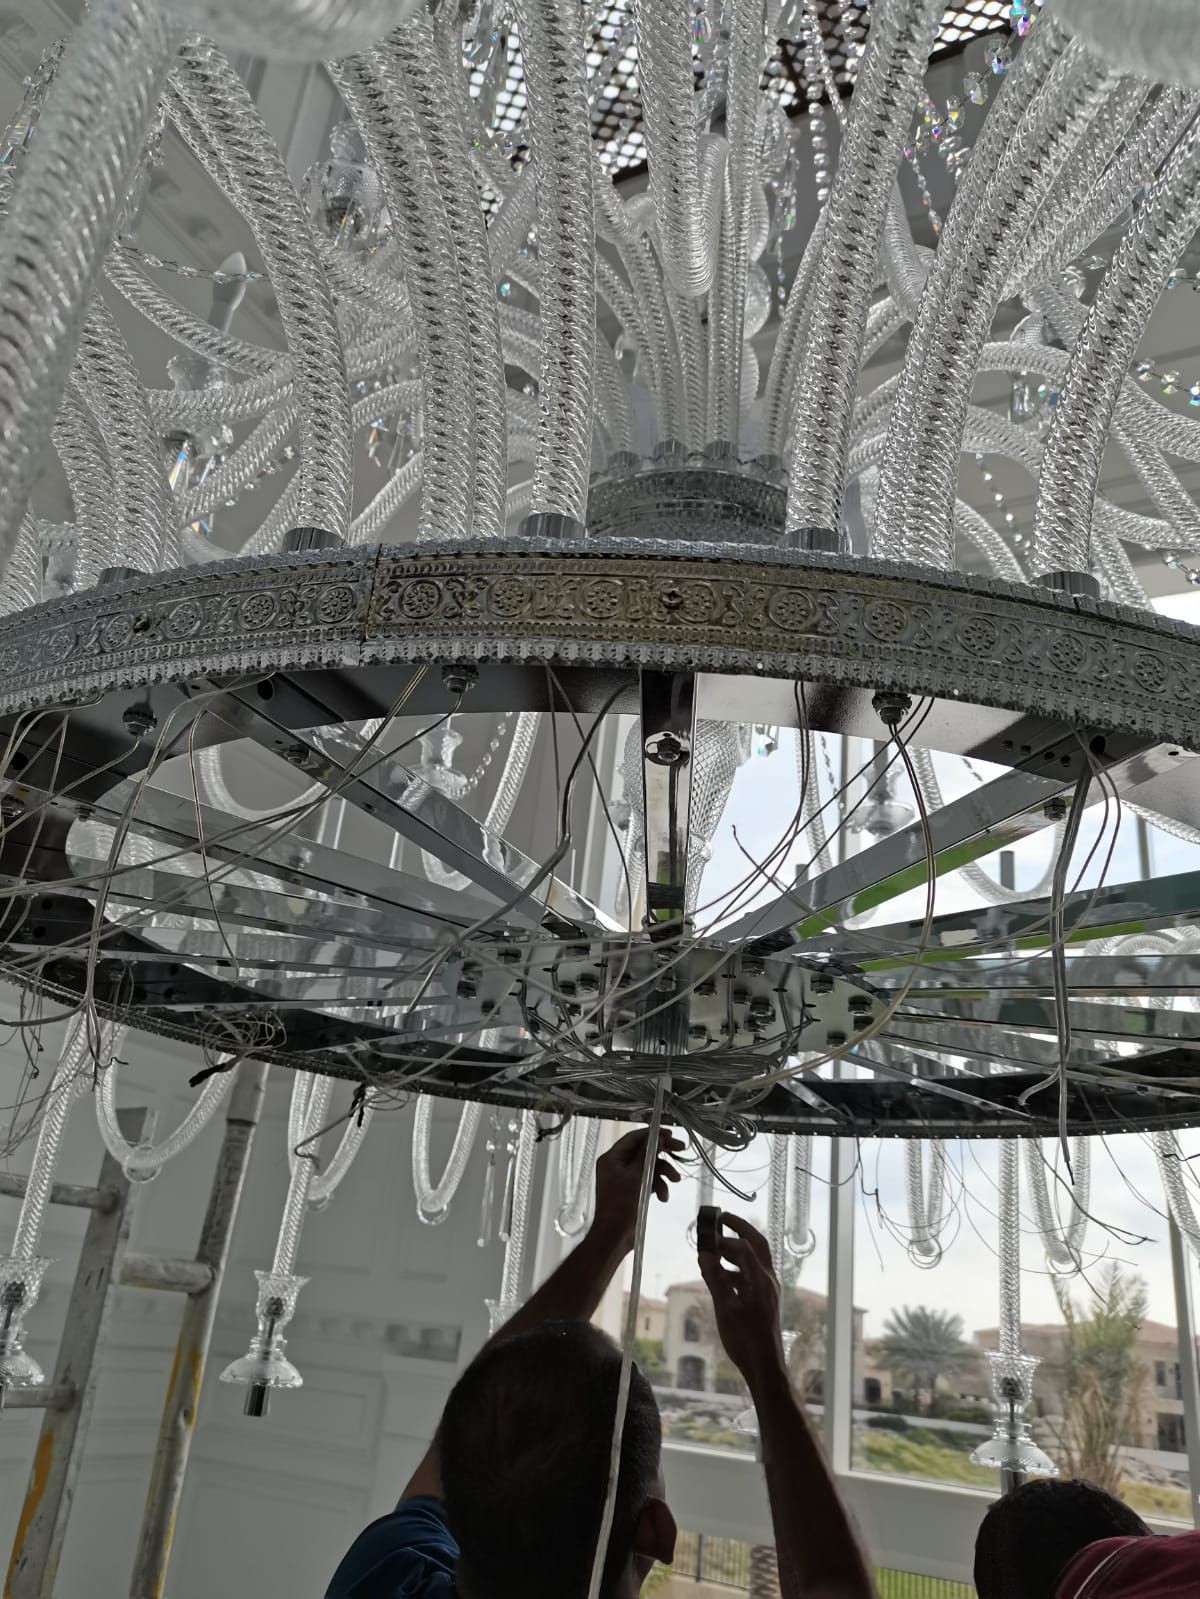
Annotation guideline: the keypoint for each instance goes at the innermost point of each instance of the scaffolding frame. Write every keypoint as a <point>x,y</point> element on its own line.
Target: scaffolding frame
<point>106,1263</point>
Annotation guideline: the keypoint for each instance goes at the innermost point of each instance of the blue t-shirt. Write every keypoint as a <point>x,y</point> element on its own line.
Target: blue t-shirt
<point>407,1555</point>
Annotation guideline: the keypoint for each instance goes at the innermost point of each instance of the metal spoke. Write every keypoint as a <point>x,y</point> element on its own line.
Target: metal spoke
<point>1110,975</point>
<point>1024,1013</point>
<point>1123,908</point>
<point>381,786</point>
<point>993,817</point>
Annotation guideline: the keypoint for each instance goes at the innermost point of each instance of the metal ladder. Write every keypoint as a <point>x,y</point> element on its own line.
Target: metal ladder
<point>106,1263</point>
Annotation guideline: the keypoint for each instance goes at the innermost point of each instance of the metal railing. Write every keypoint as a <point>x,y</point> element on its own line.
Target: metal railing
<point>725,1562</point>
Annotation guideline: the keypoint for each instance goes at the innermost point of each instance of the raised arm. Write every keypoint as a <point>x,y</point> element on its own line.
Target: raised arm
<point>815,1542</point>
<point>576,1286</point>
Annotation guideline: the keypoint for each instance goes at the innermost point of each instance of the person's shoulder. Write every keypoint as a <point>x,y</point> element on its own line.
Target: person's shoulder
<point>1135,1568</point>
<point>407,1554</point>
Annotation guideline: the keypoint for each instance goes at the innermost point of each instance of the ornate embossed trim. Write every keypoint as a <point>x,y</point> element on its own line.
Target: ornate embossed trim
<point>859,623</point>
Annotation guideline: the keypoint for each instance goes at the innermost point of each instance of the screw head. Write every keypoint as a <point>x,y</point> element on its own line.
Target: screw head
<point>459,676</point>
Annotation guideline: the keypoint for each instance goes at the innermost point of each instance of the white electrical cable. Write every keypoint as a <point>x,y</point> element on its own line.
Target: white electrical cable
<point>635,1286</point>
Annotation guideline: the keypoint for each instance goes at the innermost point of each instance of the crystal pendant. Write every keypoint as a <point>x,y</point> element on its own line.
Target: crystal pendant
<point>20,1285</point>
<point>265,1364</point>
<point>1011,1446</point>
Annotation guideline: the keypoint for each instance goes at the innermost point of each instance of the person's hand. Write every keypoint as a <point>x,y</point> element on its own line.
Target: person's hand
<point>619,1182</point>
<point>745,1295</point>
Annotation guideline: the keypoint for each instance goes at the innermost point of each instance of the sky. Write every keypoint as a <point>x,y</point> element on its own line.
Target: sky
<point>1126,1192</point>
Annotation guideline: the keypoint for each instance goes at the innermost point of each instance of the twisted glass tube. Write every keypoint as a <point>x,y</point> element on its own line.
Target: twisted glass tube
<point>244,159</point>
<point>556,86</point>
<point>799,1240</point>
<point>727,301</point>
<point>433,1199</point>
<point>73,183</point>
<point>1056,240</point>
<point>925,1203</point>
<point>777,1214</point>
<point>422,230</point>
<point>23,580</point>
<point>325,1183</point>
<point>1162,484</point>
<point>423,73</point>
<point>897,507</point>
<point>576,1170</point>
<point>80,448</point>
<point>1063,1245</point>
<point>1010,1248</point>
<point>686,174</point>
<point>114,393</point>
<point>143,1162</point>
<point>512,1276</point>
<point>71,1077</point>
<point>927,425</point>
<point>1171,1168</point>
<point>1111,331</point>
<point>182,325</point>
<point>898,46</point>
<point>291,1224</point>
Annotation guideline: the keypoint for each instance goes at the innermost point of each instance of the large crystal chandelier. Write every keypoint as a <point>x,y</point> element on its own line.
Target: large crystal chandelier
<point>583,409</point>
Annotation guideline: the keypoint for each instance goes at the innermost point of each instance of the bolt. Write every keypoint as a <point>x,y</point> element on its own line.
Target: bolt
<point>11,808</point>
<point>459,677</point>
<point>138,720</point>
<point>84,812</point>
<point>508,954</point>
<point>298,754</point>
<point>821,983</point>
<point>891,705</point>
<point>857,1003</point>
<point>466,988</point>
<point>588,983</point>
<point>752,966</point>
<point>1055,809</point>
<point>835,1038</point>
<point>666,749</point>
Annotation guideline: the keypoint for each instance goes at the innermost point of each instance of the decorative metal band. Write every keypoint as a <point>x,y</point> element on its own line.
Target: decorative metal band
<point>819,618</point>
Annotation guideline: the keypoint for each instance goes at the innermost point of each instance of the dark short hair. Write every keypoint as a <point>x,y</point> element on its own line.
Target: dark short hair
<point>524,1447</point>
<point>1027,1539</point>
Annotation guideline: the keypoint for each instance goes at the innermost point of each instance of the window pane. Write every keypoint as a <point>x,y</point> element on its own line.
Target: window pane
<point>1108,1391</point>
<point>701,1395</point>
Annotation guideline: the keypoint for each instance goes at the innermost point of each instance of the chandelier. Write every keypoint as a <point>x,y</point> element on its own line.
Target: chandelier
<point>579,416</point>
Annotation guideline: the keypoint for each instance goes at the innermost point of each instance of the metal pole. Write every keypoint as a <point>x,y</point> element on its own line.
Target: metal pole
<point>839,1305</point>
<point>1189,1372</point>
<point>195,1335</point>
<point>42,1525</point>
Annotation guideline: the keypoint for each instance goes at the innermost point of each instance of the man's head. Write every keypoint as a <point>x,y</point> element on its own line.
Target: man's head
<point>1027,1539</point>
<point>524,1449</point>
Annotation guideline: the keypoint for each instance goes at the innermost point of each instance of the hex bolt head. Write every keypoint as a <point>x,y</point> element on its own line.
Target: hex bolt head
<point>821,983</point>
<point>459,676</point>
<point>1055,808</point>
<point>835,1038</point>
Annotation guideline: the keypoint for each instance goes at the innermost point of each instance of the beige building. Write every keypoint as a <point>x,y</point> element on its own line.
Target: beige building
<point>1159,1422</point>
<point>695,1360</point>
<point>651,1317</point>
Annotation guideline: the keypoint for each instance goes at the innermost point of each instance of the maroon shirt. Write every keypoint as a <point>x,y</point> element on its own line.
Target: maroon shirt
<point>1135,1568</point>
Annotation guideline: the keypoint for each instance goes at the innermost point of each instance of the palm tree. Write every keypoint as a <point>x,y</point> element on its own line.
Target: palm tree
<point>922,1345</point>
<point>1101,1378</point>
